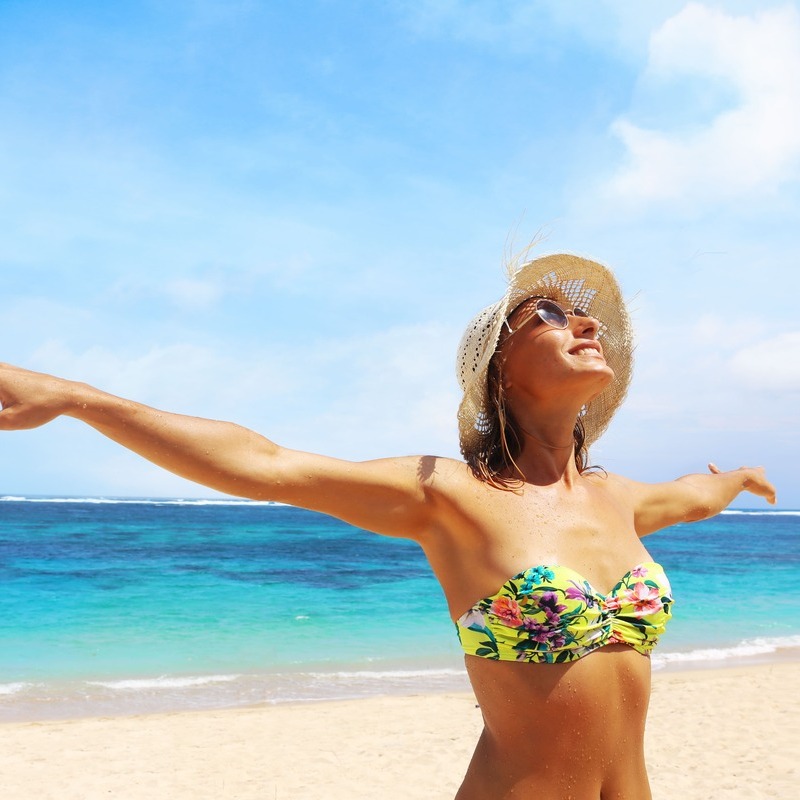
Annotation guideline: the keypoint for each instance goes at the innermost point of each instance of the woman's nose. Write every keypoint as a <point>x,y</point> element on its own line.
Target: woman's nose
<point>586,325</point>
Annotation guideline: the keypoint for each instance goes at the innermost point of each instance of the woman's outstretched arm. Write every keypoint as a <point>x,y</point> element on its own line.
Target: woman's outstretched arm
<point>691,497</point>
<point>389,496</point>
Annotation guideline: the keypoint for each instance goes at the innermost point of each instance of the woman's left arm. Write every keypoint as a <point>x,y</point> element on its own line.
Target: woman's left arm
<point>692,497</point>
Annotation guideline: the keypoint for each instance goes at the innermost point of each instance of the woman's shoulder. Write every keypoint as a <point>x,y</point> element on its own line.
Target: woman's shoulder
<point>452,483</point>
<point>611,480</point>
<point>622,489</point>
<point>445,475</point>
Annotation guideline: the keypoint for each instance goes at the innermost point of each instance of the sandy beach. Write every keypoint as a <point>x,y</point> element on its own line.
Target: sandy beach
<point>730,733</point>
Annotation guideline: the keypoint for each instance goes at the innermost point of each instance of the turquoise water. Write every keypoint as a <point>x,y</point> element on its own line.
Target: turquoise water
<point>118,606</point>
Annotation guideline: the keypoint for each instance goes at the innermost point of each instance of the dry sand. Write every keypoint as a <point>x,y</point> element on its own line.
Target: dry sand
<point>732,733</point>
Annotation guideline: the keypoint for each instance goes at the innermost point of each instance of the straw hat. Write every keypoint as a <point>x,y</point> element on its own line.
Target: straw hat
<point>568,280</point>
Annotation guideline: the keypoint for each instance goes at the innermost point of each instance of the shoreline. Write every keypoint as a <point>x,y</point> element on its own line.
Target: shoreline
<point>722,733</point>
<point>126,697</point>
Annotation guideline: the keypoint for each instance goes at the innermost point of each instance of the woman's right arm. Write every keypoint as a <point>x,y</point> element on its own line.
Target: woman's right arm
<point>389,496</point>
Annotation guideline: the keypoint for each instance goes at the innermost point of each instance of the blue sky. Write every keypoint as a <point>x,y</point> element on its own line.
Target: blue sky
<point>284,214</point>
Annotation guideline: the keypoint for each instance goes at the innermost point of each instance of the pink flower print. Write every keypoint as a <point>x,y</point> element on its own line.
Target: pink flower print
<point>644,599</point>
<point>612,603</point>
<point>508,611</point>
<point>639,572</point>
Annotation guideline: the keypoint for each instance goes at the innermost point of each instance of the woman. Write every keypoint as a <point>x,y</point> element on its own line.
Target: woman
<point>555,599</point>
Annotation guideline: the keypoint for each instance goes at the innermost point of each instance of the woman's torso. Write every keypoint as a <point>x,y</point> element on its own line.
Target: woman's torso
<point>565,729</point>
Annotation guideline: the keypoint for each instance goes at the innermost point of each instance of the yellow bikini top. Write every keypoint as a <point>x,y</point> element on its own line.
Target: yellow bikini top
<point>552,614</point>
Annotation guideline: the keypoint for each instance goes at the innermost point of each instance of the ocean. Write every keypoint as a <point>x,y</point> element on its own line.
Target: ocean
<point>124,606</point>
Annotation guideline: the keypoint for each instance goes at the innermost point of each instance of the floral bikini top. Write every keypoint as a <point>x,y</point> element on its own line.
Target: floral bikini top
<point>552,614</point>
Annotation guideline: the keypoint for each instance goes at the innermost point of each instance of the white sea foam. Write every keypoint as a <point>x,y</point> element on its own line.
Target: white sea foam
<point>164,682</point>
<point>152,501</point>
<point>746,648</point>
<point>387,674</point>
<point>13,688</point>
<point>764,513</point>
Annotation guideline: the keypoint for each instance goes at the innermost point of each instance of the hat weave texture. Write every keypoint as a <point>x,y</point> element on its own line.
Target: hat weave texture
<point>571,281</point>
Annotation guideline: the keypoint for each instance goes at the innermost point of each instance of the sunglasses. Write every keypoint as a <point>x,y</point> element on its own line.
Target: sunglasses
<point>548,312</point>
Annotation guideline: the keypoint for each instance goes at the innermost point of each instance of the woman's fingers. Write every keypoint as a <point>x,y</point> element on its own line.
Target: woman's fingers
<point>755,481</point>
<point>758,484</point>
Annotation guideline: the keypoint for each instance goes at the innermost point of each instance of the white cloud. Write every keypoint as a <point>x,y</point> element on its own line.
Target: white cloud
<point>525,25</point>
<point>256,388</point>
<point>718,372</point>
<point>771,365</point>
<point>391,393</point>
<point>753,146</point>
<point>193,294</point>
<point>721,390</point>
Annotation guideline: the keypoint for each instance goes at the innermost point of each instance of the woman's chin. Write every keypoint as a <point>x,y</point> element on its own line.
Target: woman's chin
<point>600,379</point>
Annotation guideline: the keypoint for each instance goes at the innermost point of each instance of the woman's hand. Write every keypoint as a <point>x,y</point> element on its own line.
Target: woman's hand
<point>754,480</point>
<point>31,399</point>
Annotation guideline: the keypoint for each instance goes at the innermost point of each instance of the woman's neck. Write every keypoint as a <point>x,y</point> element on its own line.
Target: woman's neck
<point>547,454</point>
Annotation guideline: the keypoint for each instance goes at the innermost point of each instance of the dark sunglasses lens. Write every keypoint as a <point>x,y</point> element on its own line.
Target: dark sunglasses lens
<point>579,312</point>
<point>551,313</point>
